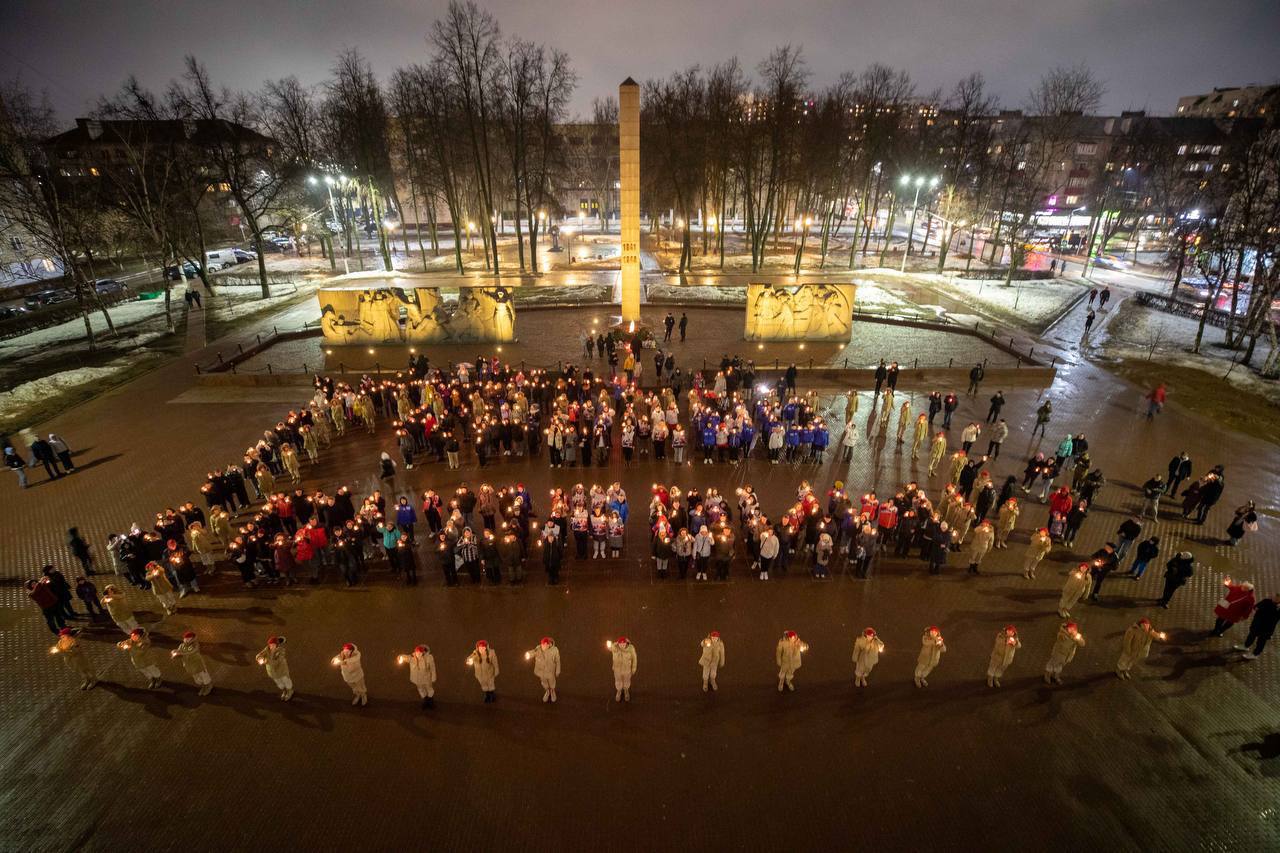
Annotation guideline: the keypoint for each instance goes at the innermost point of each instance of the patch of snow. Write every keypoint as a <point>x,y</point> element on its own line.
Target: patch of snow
<point>40,390</point>
<point>1034,303</point>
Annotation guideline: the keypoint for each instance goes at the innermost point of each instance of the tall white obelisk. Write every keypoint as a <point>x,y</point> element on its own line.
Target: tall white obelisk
<point>629,195</point>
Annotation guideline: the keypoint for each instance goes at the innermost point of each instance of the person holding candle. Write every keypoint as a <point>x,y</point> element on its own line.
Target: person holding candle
<point>931,649</point>
<point>711,659</point>
<point>188,651</point>
<point>624,667</point>
<point>277,665</point>
<point>866,654</point>
<point>484,665</point>
<point>422,673</point>
<point>1069,639</point>
<point>348,661</point>
<point>162,589</point>
<point>1136,645</point>
<point>1078,583</point>
<point>546,665</point>
<point>788,658</point>
<point>118,608</point>
<point>68,648</point>
<point>142,656</point>
<point>1037,548</point>
<point>1006,646</point>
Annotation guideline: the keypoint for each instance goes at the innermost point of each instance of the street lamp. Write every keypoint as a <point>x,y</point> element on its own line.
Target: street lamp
<point>920,181</point>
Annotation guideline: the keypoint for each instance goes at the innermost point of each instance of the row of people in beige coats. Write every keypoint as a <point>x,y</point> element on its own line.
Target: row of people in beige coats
<point>545,657</point>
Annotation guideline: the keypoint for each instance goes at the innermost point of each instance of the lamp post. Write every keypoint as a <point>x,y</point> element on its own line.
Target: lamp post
<point>802,225</point>
<point>920,181</point>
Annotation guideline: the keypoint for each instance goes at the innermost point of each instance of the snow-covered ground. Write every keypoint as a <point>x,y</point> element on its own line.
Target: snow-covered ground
<point>123,315</point>
<point>1144,334</point>
<point>1030,303</point>
<point>230,303</point>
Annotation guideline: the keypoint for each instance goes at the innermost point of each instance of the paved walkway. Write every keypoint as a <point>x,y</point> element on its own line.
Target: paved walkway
<point>196,324</point>
<point>1183,752</point>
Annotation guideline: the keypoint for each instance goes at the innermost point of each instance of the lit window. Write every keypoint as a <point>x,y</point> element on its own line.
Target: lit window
<point>93,170</point>
<point>1073,199</point>
<point>1182,149</point>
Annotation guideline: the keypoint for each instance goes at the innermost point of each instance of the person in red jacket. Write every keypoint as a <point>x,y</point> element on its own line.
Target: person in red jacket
<point>887,519</point>
<point>42,593</point>
<point>319,538</point>
<point>1060,502</point>
<point>303,553</point>
<point>1236,605</point>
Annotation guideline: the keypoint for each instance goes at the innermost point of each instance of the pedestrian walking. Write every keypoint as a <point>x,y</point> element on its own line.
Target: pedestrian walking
<point>1236,603</point>
<point>484,665</point>
<point>62,451</point>
<point>1265,616</point>
<point>1135,646</point>
<point>348,662</point>
<point>188,652</point>
<point>684,325</point>
<point>80,550</point>
<point>1002,653</point>
<point>15,463</point>
<point>1043,415</point>
<point>788,658</point>
<point>1177,572</point>
<point>624,667</point>
<point>1069,639</point>
<point>711,658</point>
<point>142,656</point>
<point>1155,400</point>
<point>866,654</point>
<point>931,649</point>
<point>546,666</point>
<point>276,663</point>
<point>1147,550</point>
<point>68,648</point>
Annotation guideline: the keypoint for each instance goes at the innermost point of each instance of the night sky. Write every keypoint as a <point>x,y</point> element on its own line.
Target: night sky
<point>1148,52</point>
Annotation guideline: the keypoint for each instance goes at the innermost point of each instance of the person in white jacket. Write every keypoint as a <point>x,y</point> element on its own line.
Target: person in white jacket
<point>422,673</point>
<point>277,665</point>
<point>546,665</point>
<point>702,552</point>
<point>1078,583</point>
<point>1136,645</point>
<point>348,661</point>
<point>769,547</point>
<point>931,649</point>
<point>788,658</point>
<point>1006,645</point>
<point>484,663</point>
<point>711,659</point>
<point>866,654</point>
<point>624,666</point>
<point>1064,650</point>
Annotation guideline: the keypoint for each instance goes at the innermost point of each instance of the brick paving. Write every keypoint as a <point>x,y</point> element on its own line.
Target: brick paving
<point>1160,762</point>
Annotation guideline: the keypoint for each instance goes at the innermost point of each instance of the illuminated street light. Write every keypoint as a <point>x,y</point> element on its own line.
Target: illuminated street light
<point>920,181</point>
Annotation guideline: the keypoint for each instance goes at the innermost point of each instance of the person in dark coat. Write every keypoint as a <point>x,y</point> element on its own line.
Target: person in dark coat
<point>1265,616</point>
<point>1179,470</point>
<point>1246,518</point>
<point>1103,562</point>
<point>1177,572</point>
<point>43,453</point>
<point>80,550</point>
<point>882,373</point>
<point>997,403</point>
<point>1210,493</point>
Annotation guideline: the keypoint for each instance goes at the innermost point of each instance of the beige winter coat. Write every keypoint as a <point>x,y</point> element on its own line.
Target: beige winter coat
<point>712,656</point>
<point>546,662</point>
<point>422,669</point>
<point>931,649</point>
<point>188,652</point>
<point>1039,545</point>
<point>866,654</point>
<point>1078,583</point>
<point>983,537</point>
<point>1002,653</point>
<point>485,666</point>
<point>1064,650</point>
<point>787,656</point>
<point>274,660</point>
<point>1135,646</point>
<point>624,659</point>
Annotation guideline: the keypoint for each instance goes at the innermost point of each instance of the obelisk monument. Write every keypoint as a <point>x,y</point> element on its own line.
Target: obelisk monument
<point>629,195</point>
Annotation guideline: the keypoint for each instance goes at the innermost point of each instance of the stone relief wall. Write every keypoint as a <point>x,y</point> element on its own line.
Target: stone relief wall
<point>801,312</point>
<point>388,315</point>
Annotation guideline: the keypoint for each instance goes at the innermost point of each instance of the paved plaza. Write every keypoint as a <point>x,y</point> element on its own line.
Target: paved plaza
<point>1184,756</point>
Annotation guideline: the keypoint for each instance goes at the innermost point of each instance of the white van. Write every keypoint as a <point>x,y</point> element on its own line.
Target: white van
<point>220,259</point>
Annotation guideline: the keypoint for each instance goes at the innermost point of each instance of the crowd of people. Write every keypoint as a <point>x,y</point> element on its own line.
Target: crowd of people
<point>284,533</point>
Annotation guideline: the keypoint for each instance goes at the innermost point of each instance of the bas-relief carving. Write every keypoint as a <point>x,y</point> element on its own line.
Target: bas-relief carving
<point>805,312</point>
<point>419,315</point>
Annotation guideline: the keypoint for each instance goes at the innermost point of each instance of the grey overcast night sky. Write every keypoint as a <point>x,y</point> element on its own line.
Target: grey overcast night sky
<point>1147,52</point>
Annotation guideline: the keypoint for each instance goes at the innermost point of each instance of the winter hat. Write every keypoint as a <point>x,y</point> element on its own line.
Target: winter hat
<point>790,635</point>
<point>1010,630</point>
<point>622,641</point>
<point>189,635</point>
<point>933,629</point>
<point>1071,627</point>
<point>715,635</point>
<point>274,641</point>
<point>546,641</point>
<point>1246,585</point>
<point>66,632</point>
<point>1145,621</point>
<point>421,650</point>
<point>482,644</point>
<point>138,632</point>
<point>869,632</point>
<point>348,647</point>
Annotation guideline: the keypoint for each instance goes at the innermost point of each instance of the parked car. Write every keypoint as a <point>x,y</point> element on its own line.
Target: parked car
<point>48,297</point>
<point>220,259</point>
<point>188,270</point>
<point>267,247</point>
<point>108,287</point>
<point>244,255</point>
<point>1109,262</point>
<point>8,312</point>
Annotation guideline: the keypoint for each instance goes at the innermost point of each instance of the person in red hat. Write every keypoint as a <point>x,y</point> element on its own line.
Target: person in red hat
<point>1069,639</point>
<point>142,656</point>
<point>931,649</point>
<point>624,667</point>
<point>711,659</point>
<point>1136,645</point>
<point>277,665</point>
<point>193,662</point>
<point>1037,548</point>
<point>1077,584</point>
<point>1006,646</point>
<point>161,588</point>
<point>546,665</point>
<point>484,664</point>
<point>348,661</point>
<point>68,648</point>
<point>787,656</point>
<point>866,654</point>
<point>422,672</point>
